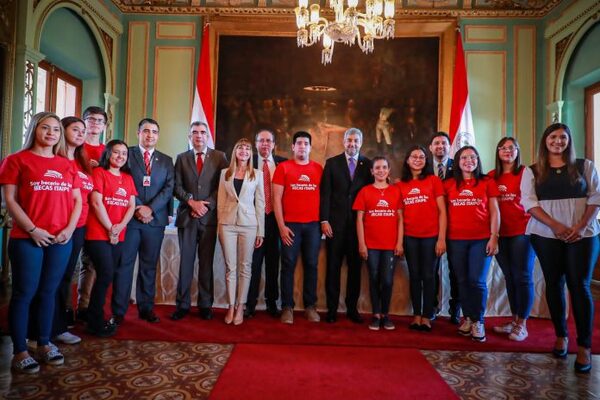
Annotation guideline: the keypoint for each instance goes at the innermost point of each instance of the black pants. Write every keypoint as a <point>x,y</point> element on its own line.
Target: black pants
<point>422,261</point>
<point>269,252</point>
<point>572,263</point>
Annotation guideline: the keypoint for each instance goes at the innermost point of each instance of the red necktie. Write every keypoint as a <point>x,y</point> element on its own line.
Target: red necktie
<point>147,162</point>
<point>199,163</point>
<point>267,182</point>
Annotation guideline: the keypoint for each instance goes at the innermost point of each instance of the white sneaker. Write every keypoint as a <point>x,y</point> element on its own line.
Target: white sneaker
<point>519,333</point>
<point>506,328</point>
<point>465,328</point>
<point>67,338</point>
<point>478,332</point>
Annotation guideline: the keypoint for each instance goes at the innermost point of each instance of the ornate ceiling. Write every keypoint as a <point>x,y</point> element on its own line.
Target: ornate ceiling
<point>454,8</point>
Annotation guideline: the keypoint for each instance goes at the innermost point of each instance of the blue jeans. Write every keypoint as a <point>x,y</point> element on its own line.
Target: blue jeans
<point>572,263</point>
<point>515,258</point>
<point>422,263</point>
<point>381,279</point>
<point>307,239</point>
<point>35,271</point>
<point>471,265</point>
<point>105,257</point>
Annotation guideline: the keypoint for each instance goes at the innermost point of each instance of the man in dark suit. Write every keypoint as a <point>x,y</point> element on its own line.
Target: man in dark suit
<point>439,146</point>
<point>343,177</point>
<point>197,173</point>
<point>266,161</point>
<point>154,179</point>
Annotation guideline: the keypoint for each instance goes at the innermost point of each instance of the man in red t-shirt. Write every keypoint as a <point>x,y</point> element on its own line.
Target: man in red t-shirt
<point>95,119</point>
<point>296,186</point>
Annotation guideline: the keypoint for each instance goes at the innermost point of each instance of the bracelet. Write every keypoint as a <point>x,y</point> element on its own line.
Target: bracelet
<point>32,229</point>
<point>495,234</point>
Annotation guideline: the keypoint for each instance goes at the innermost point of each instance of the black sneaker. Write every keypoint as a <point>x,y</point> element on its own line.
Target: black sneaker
<point>375,324</point>
<point>107,329</point>
<point>387,324</point>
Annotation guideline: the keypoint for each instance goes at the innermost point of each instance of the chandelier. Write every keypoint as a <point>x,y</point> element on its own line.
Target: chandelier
<point>350,25</point>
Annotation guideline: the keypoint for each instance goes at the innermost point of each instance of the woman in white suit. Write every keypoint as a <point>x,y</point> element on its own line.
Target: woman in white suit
<point>241,216</point>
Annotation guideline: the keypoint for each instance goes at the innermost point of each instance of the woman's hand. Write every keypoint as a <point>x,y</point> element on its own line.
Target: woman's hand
<point>562,232</point>
<point>116,229</point>
<point>575,234</point>
<point>41,237</point>
<point>440,248</point>
<point>258,242</point>
<point>362,250</point>
<point>64,236</point>
<point>399,250</point>
<point>491,248</point>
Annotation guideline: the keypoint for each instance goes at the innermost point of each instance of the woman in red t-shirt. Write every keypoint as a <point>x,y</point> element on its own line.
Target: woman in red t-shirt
<point>473,224</point>
<point>42,195</point>
<point>424,214</point>
<point>515,254</point>
<point>112,206</point>
<point>379,230</point>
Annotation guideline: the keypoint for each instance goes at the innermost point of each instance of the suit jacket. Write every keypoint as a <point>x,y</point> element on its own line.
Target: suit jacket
<point>449,169</point>
<point>245,209</point>
<point>159,195</point>
<point>190,185</point>
<point>338,191</point>
<point>258,164</point>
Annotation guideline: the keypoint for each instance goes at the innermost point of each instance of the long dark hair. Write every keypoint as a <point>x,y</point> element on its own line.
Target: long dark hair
<point>427,168</point>
<point>542,165</point>
<point>477,174</point>
<point>105,157</point>
<point>517,167</point>
<point>79,155</point>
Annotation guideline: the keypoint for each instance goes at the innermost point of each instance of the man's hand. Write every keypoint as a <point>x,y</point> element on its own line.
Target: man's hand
<point>143,214</point>
<point>326,229</point>
<point>287,236</point>
<point>199,207</point>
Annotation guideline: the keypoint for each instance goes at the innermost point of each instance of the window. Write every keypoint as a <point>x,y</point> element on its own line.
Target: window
<point>57,91</point>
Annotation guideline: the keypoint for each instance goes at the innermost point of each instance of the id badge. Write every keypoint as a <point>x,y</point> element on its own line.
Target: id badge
<point>146,181</point>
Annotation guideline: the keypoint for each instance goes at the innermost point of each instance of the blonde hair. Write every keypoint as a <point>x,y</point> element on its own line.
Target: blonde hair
<point>59,148</point>
<point>233,164</point>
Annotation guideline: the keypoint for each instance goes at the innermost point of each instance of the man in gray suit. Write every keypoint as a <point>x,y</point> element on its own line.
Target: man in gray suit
<point>197,173</point>
<point>154,179</point>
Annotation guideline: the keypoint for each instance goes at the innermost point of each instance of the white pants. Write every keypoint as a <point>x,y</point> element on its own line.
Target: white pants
<point>238,246</point>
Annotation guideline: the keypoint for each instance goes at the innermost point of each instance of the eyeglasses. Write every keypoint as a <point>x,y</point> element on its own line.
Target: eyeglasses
<point>472,158</point>
<point>97,121</point>
<point>508,148</point>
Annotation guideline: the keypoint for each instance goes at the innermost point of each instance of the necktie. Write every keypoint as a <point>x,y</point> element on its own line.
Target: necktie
<point>441,171</point>
<point>351,167</point>
<point>147,162</point>
<point>267,183</point>
<point>199,163</point>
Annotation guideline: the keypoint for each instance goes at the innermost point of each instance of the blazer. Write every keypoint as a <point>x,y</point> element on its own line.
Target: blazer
<point>159,195</point>
<point>338,191</point>
<point>247,209</point>
<point>190,185</point>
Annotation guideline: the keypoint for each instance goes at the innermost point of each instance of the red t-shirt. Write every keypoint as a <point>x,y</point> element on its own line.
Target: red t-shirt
<point>301,185</point>
<point>116,192</point>
<point>513,217</point>
<point>468,209</point>
<point>44,189</point>
<point>87,185</point>
<point>419,205</point>
<point>93,152</point>
<point>381,215</point>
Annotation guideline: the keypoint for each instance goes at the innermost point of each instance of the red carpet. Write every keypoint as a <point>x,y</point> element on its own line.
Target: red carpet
<point>326,372</point>
<point>262,329</point>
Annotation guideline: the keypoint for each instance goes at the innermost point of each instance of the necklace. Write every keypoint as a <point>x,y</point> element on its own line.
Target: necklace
<point>381,191</point>
<point>559,170</point>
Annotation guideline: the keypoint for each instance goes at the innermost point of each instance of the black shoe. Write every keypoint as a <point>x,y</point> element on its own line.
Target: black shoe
<point>107,329</point>
<point>82,314</point>
<point>117,320</point>
<point>454,320</point>
<point>583,368</point>
<point>331,317</point>
<point>273,311</point>
<point>179,314</point>
<point>355,317</point>
<point>560,353</point>
<point>414,327</point>
<point>149,316</point>
<point>206,313</point>
<point>249,312</point>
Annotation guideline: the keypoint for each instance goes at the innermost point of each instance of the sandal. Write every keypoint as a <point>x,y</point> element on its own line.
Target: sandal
<point>52,357</point>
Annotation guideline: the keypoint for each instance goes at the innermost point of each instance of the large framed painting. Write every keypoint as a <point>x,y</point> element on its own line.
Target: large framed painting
<point>393,95</point>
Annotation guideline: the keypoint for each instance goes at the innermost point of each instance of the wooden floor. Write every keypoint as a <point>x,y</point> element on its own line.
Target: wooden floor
<point>111,369</point>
